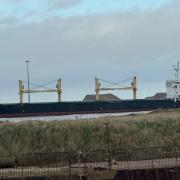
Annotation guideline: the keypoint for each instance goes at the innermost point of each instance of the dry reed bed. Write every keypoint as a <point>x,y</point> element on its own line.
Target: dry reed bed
<point>160,128</point>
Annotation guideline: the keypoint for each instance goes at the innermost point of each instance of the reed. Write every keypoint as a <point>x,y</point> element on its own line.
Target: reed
<point>160,128</point>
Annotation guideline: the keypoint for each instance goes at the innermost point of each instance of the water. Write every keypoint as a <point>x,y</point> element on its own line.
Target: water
<point>70,117</point>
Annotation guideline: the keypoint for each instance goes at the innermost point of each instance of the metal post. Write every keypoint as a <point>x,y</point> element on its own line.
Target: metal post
<point>97,89</point>
<point>79,162</point>
<point>108,144</point>
<point>176,159</point>
<point>69,167</point>
<point>152,156</point>
<point>29,98</point>
<point>21,91</point>
<point>59,90</point>
<point>134,88</point>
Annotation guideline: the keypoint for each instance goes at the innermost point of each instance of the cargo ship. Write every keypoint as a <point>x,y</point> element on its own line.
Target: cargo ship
<point>21,109</point>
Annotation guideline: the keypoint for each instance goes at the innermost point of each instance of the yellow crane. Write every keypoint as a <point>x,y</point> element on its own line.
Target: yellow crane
<point>22,90</point>
<point>133,87</point>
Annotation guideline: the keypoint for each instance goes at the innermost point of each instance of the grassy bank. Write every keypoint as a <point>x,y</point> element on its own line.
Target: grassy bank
<point>154,129</point>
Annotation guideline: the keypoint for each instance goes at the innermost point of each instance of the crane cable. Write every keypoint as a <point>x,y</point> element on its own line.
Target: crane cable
<point>41,86</point>
<point>114,83</point>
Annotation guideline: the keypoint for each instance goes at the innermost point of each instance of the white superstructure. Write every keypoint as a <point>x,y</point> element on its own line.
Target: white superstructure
<point>173,86</point>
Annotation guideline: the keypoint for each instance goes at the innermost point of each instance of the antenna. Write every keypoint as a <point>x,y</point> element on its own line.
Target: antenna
<point>176,69</point>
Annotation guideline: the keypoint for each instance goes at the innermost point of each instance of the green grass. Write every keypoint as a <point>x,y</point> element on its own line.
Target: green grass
<point>154,129</point>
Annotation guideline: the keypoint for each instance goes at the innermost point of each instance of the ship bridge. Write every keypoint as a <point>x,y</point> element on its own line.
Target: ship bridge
<point>173,86</point>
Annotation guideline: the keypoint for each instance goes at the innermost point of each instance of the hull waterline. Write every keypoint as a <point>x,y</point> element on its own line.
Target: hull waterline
<point>68,108</point>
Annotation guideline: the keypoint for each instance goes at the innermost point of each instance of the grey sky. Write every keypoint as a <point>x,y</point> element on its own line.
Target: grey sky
<point>112,46</point>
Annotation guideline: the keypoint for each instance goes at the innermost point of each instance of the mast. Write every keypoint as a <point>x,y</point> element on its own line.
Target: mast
<point>176,69</point>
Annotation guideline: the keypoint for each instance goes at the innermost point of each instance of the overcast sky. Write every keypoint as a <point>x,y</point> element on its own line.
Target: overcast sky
<point>78,40</point>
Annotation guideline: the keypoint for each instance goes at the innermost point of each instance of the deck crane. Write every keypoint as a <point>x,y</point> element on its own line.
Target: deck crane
<point>133,87</point>
<point>58,90</point>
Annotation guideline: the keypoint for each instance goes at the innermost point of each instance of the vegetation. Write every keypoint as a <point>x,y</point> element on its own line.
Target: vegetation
<point>155,129</point>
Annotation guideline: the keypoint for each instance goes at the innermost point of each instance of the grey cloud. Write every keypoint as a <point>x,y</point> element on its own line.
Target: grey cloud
<point>8,21</point>
<point>113,47</point>
<point>11,1</point>
<point>48,7</point>
<point>62,3</point>
<point>52,3</point>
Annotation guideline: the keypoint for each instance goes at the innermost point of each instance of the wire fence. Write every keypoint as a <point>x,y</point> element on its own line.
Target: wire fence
<point>76,163</point>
